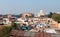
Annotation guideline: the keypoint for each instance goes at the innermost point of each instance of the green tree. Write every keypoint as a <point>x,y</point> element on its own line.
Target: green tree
<point>14,25</point>
<point>5,31</point>
<point>50,14</point>
<point>56,17</point>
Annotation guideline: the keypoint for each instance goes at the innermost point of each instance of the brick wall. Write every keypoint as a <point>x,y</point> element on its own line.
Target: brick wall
<point>32,34</point>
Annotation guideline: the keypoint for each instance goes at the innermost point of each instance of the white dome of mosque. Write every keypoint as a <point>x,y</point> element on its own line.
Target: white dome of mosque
<point>58,12</point>
<point>41,13</point>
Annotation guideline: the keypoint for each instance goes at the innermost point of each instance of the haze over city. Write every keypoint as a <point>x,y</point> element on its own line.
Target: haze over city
<point>34,6</point>
<point>29,18</point>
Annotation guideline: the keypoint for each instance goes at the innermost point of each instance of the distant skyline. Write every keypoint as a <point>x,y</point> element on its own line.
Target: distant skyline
<point>34,6</point>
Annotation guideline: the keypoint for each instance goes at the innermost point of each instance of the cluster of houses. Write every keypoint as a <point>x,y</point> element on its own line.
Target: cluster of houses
<point>31,23</point>
<point>29,20</point>
<point>6,19</point>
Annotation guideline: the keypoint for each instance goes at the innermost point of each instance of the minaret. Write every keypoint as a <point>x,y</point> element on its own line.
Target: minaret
<point>40,13</point>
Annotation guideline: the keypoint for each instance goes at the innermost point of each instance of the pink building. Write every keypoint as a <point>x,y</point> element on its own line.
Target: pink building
<point>59,25</point>
<point>26,14</point>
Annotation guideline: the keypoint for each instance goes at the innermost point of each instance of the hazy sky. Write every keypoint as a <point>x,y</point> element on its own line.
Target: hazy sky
<point>19,6</point>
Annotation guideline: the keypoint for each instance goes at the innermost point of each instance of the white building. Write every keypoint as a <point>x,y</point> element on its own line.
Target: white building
<point>41,13</point>
<point>58,12</point>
